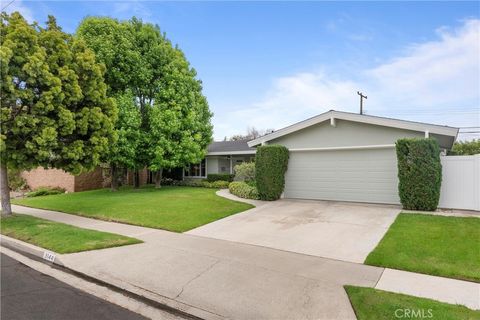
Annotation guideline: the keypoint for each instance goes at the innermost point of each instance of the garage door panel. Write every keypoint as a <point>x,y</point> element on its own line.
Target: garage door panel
<point>382,187</point>
<point>346,175</point>
<point>339,175</point>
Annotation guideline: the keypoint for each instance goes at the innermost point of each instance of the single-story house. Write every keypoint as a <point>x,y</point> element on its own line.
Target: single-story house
<point>222,157</point>
<point>348,157</point>
<point>333,156</point>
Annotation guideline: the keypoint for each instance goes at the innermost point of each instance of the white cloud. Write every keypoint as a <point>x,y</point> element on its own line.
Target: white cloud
<point>436,81</point>
<point>433,74</point>
<point>19,6</point>
<point>289,100</point>
<point>133,8</point>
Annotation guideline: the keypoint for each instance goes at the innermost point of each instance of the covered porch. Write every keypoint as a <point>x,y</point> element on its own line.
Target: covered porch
<point>222,157</point>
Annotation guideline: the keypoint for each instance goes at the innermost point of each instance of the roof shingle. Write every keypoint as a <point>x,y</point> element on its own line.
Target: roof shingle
<point>226,146</point>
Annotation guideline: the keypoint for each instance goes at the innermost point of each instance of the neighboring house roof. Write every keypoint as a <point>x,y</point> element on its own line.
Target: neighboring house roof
<point>229,148</point>
<point>368,119</point>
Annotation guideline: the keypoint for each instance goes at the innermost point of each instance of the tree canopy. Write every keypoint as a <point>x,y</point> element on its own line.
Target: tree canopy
<point>252,133</point>
<point>175,126</point>
<point>462,148</point>
<point>55,111</point>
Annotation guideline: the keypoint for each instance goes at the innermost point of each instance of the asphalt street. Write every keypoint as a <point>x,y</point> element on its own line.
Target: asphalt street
<point>31,295</point>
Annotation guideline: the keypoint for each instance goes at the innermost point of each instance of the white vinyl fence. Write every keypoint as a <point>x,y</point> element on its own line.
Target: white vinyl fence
<point>460,182</point>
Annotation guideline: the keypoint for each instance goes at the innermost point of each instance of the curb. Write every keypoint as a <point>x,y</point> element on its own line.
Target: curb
<point>169,305</point>
<point>31,251</point>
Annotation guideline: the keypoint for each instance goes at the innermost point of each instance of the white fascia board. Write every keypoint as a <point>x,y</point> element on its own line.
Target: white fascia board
<point>395,123</point>
<point>386,122</point>
<point>228,153</point>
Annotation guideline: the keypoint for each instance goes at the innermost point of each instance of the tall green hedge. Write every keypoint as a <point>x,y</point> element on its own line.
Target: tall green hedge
<point>271,162</point>
<point>419,173</point>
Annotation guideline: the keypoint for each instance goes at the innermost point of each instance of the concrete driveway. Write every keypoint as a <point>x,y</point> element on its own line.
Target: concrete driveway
<point>336,230</point>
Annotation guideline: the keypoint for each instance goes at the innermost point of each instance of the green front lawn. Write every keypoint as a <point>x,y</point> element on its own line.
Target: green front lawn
<point>370,303</point>
<point>435,245</point>
<point>59,237</point>
<point>171,208</point>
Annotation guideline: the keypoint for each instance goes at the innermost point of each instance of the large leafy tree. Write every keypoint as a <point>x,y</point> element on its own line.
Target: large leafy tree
<point>55,112</point>
<point>114,45</point>
<point>175,123</point>
<point>123,151</point>
<point>180,128</point>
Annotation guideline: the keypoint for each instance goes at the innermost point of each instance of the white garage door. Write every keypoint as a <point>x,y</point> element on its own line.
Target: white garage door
<point>363,175</point>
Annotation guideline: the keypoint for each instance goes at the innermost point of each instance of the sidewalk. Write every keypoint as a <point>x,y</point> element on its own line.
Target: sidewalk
<point>221,279</point>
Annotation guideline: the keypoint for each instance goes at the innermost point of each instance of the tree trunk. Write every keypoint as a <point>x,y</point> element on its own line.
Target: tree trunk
<point>158,178</point>
<point>136,179</point>
<point>114,176</point>
<point>5,190</point>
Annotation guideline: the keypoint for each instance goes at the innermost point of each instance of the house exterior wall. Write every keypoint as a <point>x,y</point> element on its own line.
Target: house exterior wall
<point>344,134</point>
<point>89,180</point>
<point>41,177</point>
<point>142,174</point>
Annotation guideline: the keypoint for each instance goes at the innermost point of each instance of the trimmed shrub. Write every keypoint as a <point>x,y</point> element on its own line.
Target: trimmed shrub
<point>190,183</point>
<point>167,182</point>
<point>201,183</point>
<point>219,184</point>
<point>212,177</point>
<point>419,173</point>
<point>271,163</point>
<point>45,191</point>
<point>15,180</point>
<point>243,190</point>
<point>245,172</point>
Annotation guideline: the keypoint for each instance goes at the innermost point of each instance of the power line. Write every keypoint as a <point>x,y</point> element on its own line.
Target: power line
<point>8,5</point>
<point>426,108</point>
<point>424,111</point>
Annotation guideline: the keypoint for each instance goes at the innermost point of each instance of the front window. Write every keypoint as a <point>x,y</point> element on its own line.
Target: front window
<point>196,170</point>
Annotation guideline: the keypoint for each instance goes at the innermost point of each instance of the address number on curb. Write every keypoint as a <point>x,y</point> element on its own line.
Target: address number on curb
<point>49,256</point>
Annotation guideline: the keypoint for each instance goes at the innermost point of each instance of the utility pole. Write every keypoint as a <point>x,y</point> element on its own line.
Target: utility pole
<point>361,101</point>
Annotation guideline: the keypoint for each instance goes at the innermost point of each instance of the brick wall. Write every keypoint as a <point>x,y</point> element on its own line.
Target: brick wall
<point>40,177</point>
<point>89,180</point>
<point>143,174</point>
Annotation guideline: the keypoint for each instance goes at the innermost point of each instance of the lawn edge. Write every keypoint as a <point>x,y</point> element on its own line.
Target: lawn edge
<point>345,287</point>
<point>28,249</point>
<point>134,240</point>
<point>141,225</point>
<point>88,217</point>
<point>405,296</point>
<point>366,262</point>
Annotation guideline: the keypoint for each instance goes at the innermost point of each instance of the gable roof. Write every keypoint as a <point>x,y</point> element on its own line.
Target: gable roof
<point>229,147</point>
<point>355,117</point>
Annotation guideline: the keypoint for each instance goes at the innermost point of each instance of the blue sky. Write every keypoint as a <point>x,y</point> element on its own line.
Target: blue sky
<point>269,64</point>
